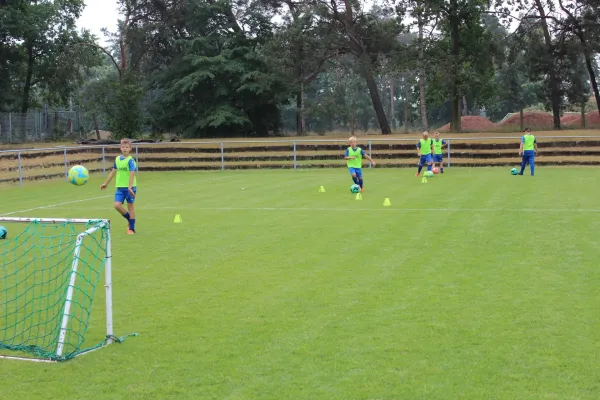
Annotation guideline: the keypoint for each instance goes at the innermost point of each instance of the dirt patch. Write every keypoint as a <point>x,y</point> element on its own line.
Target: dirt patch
<point>591,119</point>
<point>533,120</point>
<point>472,123</point>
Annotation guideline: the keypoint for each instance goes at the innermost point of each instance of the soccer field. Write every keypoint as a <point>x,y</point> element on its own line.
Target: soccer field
<point>476,285</point>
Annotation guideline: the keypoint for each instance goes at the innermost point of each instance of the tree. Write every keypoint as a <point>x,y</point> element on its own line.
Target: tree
<point>583,20</point>
<point>456,18</point>
<point>577,88</point>
<point>515,90</point>
<point>218,83</point>
<point>363,36</point>
<point>299,51</point>
<point>43,48</point>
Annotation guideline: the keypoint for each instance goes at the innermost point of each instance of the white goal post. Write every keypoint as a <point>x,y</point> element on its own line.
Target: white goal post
<point>91,227</point>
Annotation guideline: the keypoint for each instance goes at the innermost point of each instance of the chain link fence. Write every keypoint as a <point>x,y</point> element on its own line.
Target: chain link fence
<point>37,126</point>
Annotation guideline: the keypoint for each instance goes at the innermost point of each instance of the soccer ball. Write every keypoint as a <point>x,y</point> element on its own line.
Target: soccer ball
<point>3,232</point>
<point>429,174</point>
<point>355,188</point>
<point>514,171</point>
<point>78,175</point>
<point>436,170</point>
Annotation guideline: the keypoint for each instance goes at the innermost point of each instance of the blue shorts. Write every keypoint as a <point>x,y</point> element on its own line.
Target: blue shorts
<point>438,158</point>
<point>425,159</point>
<point>122,195</point>
<point>357,171</point>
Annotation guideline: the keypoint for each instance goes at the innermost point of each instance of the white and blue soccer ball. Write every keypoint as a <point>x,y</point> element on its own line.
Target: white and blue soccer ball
<point>78,175</point>
<point>3,232</point>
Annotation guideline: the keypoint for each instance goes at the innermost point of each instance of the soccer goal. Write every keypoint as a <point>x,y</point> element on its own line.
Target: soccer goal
<point>49,272</point>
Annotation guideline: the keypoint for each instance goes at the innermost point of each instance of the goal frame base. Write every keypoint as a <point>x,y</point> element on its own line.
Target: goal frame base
<point>107,281</point>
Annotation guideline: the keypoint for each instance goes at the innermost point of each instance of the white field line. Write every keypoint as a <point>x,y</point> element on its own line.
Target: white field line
<point>65,203</point>
<point>54,205</point>
<point>386,209</point>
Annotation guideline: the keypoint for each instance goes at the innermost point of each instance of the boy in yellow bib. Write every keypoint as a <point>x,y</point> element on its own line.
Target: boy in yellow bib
<point>424,150</point>
<point>528,150</point>
<point>353,159</point>
<point>124,168</point>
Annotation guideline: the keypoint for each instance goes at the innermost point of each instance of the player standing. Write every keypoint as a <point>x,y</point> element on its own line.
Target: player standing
<point>528,150</point>
<point>437,151</point>
<point>125,169</point>
<point>353,159</point>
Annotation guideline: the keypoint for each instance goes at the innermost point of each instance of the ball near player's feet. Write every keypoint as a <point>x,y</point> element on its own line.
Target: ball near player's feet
<point>355,188</point>
<point>78,175</point>
<point>514,171</point>
<point>436,170</point>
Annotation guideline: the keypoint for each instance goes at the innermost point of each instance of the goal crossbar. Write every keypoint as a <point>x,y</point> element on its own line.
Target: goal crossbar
<point>97,224</point>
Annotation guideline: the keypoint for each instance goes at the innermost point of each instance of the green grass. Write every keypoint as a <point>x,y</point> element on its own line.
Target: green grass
<point>475,285</point>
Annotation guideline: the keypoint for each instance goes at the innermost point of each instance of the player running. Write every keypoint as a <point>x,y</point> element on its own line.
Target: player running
<point>125,169</point>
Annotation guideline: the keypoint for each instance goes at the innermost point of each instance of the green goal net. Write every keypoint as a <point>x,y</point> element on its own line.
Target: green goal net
<point>49,272</point>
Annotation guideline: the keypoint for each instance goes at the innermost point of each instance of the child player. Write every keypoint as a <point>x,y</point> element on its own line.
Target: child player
<point>353,158</point>
<point>124,168</point>
<point>424,149</point>
<point>437,151</point>
<point>528,150</point>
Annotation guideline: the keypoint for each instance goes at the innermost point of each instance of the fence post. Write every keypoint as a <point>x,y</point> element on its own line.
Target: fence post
<point>294,155</point>
<point>66,166</point>
<point>448,152</point>
<point>9,127</point>
<point>20,169</point>
<point>103,162</point>
<point>370,163</point>
<point>222,158</point>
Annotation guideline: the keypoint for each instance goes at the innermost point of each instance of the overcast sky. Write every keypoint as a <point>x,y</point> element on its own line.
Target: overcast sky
<point>99,14</point>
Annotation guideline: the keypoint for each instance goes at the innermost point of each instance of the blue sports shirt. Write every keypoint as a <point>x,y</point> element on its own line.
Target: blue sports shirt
<point>362,153</point>
<point>131,164</point>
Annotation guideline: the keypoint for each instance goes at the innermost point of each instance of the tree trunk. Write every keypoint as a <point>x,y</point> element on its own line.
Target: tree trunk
<point>421,67</point>
<point>353,117</point>
<point>367,71</point>
<point>586,53</point>
<point>392,103</point>
<point>521,119</point>
<point>96,127</point>
<point>455,123</point>
<point>123,52</point>
<point>583,121</point>
<point>405,106</point>
<point>299,113</point>
<point>554,92</point>
<point>26,91</point>
<point>465,105</point>
<point>302,118</point>
<point>590,68</point>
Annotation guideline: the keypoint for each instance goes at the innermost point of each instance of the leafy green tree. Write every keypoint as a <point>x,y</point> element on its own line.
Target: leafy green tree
<point>364,36</point>
<point>219,84</point>
<point>583,21</point>
<point>40,40</point>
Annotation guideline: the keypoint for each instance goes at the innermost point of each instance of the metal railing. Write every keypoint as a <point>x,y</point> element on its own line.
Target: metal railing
<point>218,148</point>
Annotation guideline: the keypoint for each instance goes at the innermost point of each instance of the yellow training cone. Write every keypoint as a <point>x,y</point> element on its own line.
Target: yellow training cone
<point>177,219</point>
<point>358,196</point>
<point>322,189</point>
<point>386,202</point>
